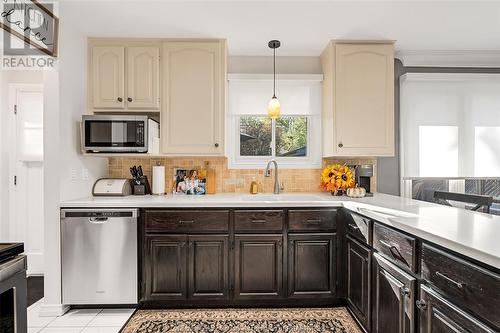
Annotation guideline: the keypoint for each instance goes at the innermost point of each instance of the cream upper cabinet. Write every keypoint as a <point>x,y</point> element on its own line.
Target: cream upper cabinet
<point>124,76</point>
<point>193,98</point>
<point>143,77</point>
<point>358,99</point>
<point>107,77</point>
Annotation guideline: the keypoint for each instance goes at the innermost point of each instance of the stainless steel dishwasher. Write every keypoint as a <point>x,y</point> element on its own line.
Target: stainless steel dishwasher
<point>99,256</point>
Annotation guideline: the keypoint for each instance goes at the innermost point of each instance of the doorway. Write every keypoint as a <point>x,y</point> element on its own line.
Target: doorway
<point>26,222</point>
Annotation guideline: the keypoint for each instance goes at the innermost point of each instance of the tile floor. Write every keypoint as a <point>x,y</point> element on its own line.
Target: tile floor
<point>78,320</point>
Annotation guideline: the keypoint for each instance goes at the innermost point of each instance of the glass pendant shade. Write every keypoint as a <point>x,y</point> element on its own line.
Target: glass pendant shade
<point>274,108</point>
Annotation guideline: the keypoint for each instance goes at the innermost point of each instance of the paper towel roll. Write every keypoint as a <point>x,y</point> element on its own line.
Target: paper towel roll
<point>158,179</point>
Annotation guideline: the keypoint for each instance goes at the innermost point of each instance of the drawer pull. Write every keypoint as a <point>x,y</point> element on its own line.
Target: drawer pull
<point>353,226</point>
<point>458,284</point>
<point>186,221</point>
<point>259,221</point>
<point>395,252</point>
<point>314,221</point>
<point>421,305</point>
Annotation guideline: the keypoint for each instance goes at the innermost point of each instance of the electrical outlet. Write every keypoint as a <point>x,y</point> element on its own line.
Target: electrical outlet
<point>73,175</point>
<point>85,174</point>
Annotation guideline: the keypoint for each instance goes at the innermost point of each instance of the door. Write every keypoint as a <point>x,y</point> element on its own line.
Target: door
<point>107,70</point>
<point>364,83</point>
<point>208,267</point>
<point>165,267</point>
<point>258,267</point>
<point>358,280</point>
<point>143,77</point>
<point>393,298</point>
<point>438,315</point>
<point>193,98</point>
<point>26,173</point>
<point>312,262</point>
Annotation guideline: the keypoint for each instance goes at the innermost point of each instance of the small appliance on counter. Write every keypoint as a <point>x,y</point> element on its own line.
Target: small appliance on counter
<point>120,134</point>
<point>363,174</point>
<point>112,187</point>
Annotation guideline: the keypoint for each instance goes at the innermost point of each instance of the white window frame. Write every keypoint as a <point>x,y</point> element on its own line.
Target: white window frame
<point>313,158</point>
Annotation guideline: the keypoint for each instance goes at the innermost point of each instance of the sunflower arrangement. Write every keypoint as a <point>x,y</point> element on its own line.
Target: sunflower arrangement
<point>337,177</point>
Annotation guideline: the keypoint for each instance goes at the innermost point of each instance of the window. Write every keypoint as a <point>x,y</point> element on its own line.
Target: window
<point>293,139</point>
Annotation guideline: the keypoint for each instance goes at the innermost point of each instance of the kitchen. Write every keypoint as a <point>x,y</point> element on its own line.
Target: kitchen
<point>402,112</point>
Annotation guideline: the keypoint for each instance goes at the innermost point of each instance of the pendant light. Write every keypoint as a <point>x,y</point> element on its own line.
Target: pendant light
<point>274,107</point>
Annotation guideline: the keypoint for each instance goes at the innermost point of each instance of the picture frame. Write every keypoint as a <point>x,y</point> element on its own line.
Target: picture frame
<point>47,43</point>
<point>189,182</point>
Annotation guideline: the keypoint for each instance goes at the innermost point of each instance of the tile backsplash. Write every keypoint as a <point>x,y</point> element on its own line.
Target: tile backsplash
<point>232,180</point>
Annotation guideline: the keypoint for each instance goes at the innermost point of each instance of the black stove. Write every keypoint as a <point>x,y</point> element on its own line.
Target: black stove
<point>9,250</point>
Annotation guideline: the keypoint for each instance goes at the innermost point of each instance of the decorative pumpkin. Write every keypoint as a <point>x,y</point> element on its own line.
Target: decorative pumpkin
<point>356,192</point>
<point>337,178</point>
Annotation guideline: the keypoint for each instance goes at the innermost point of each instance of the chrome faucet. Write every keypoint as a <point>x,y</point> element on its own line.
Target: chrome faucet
<point>267,173</point>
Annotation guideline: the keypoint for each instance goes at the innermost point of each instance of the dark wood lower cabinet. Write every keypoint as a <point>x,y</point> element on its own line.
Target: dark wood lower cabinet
<point>393,298</point>
<point>208,274</point>
<point>358,281</point>
<point>258,264</point>
<point>438,315</point>
<point>180,267</point>
<point>165,268</point>
<point>312,261</point>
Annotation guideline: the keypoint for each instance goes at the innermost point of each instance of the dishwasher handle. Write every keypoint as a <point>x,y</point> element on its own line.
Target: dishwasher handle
<point>99,213</point>
<point>98,220</point>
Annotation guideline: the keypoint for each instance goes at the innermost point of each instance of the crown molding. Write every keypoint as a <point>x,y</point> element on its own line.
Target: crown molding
<point>443,58</point>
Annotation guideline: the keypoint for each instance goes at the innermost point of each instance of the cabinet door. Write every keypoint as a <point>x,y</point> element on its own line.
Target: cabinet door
<point>143,77</point>
<point>107,70</point>
<point>165,268</point>
<point>358,280</point>
<point>364,84</point>
<point>208,267</point>
<point>311,265</point>
<point>393,298</point>
<point>193,98</point>
<point>438,315</point>
<point>258,267</point>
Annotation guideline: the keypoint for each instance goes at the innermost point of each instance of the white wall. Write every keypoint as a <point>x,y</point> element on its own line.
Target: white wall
<point>7,78</point>
<point>65,102</point>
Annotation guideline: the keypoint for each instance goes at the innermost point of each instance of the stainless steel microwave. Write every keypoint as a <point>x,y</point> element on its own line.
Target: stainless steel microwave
<point>120,134</point>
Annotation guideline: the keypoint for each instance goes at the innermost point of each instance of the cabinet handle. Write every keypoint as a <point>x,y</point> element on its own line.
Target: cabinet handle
<point>130,99</point>
<point>185,221</point>
<point>458,284</point>
<point>405,292</point>
<point>259,221</point>
<point>313,221</point>
<point>341,145</point>
<point>216,145</point>
<point>421,305</point>
<point>396,254</point>
<point>119,99</point>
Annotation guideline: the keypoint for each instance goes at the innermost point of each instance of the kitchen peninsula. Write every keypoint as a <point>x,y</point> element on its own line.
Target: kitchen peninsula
<point>314,249</point>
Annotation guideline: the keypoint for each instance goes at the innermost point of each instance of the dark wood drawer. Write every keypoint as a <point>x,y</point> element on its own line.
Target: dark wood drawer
<point>468,285</point>
<point>396,246</point>
<point>359,227</point>
<point>187,221</point>
<point>312,220</point>
<point>258,220</point>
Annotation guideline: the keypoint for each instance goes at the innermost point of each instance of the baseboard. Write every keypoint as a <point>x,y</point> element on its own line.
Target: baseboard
<point>52,310</point>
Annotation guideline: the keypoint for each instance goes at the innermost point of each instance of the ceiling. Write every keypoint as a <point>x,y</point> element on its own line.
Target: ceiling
<point>304,27</point>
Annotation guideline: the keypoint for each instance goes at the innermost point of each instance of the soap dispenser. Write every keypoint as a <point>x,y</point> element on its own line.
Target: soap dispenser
<point>253,186</point>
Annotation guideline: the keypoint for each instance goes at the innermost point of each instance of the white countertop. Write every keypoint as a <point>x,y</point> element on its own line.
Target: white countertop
<point>470,233</point>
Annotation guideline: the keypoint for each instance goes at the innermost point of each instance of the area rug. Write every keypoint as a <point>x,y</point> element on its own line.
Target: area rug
<point>299,320</point>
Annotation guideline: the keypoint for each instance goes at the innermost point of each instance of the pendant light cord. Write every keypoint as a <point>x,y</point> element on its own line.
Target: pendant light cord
<point>274,73</point>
